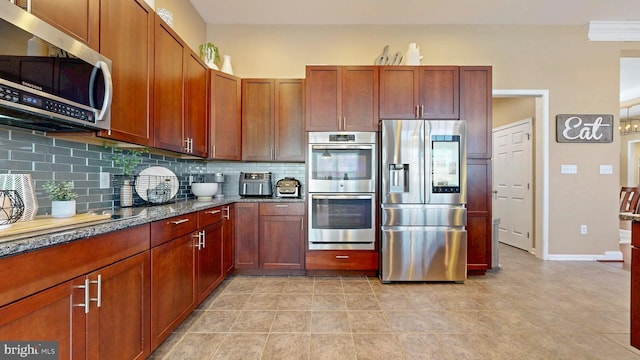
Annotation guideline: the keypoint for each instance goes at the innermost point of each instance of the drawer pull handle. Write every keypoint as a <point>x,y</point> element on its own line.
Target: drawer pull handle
<point>342,256</point>
<point>282,206</point>
<point>177,222</point>
<point>213,212</point>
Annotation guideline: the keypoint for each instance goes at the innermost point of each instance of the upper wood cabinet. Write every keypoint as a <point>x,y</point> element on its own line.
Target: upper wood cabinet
<point>342,98</point>
<point>196,105</point>
<point>273,119</point>
<point>127,38</point>
<point>168,88</point>
<point>419,92</point>
<point>475,107</point>
<point>225,117</point>
<point>78,18</point>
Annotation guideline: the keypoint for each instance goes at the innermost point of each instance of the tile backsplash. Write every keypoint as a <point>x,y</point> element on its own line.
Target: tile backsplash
<point>48,158</point>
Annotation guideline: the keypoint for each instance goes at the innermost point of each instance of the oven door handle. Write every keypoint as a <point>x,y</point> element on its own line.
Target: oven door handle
<point>329,197</point>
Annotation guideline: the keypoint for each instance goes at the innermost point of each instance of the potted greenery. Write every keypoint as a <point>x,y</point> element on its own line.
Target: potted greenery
<point>210,54</point>
<point>127,160</point>
<point>63,203</point>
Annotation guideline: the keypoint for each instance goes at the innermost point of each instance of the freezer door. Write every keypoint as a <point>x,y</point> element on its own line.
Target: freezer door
<point>402,161</point>
<point>423,254</point>
<point>423,215</point>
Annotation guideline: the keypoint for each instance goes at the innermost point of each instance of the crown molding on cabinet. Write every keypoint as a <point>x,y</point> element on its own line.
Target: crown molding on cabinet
<point>614,31</point>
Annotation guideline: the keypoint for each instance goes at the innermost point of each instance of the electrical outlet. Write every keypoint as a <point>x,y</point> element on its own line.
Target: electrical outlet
<point>606,169</point>
<point>583,229</point>
<point>104,180</point>
<point>568,169</point>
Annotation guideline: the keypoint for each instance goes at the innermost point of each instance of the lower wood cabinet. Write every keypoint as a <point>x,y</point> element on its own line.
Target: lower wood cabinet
<point>100,314</point>
<point>348,260</point>
<point>228,236</point>
<point>270,236</point>
<point>209,269</point>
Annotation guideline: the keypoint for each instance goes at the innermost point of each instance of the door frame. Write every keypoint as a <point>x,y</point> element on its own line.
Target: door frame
<point>541,173</point>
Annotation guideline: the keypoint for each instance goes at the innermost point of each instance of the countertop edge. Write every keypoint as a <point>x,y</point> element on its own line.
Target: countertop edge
<point>143,215</point>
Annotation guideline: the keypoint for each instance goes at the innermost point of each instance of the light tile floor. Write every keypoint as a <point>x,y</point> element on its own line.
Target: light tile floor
<point>530,309</point>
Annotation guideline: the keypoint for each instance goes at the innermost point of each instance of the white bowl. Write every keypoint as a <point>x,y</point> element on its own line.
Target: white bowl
<point>204,191</point>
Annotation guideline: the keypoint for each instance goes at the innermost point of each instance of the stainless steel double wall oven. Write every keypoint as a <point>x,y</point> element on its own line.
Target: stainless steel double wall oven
<point>342,184</point>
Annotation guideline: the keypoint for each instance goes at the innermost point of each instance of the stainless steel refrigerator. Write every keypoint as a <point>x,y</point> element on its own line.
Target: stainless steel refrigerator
<point>423,200</point>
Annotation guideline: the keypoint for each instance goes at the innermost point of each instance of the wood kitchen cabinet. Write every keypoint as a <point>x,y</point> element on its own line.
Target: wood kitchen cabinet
<point>46,295</point>
<point>225,117</point>
<point>475,108</point>
<point>269,236</point>
<point>127,38</point>
<point>228,238</point>
<point>419,92</point>
<point>273,120</point>
<point>196,118</point>
<point>282,236</point>
<point>210,272</point>
<point>247,236</point>
<point>168,92</point>
<point>479,215</point>
<point>342,260</point>
<point>78,18</point>
<point>341,98</point>
<point>173,277</point>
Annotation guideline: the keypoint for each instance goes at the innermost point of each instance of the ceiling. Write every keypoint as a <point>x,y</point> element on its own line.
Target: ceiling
<point>423,12</point>
<point>406,12</point>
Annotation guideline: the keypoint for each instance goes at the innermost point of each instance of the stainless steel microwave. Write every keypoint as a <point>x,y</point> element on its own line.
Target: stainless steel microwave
<point>48,80</point>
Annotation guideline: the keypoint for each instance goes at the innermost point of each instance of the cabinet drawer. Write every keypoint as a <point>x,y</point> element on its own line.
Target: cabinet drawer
<point>341,260</point>
<point>171,228</point>
<point>211,216</point>
<point>282,209</point>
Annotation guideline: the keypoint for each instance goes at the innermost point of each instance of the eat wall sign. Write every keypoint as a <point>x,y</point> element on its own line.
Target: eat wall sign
<point>584,128</point>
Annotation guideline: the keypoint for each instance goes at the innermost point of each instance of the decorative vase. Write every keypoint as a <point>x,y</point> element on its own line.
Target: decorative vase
<point>211,65</point>
<point>11,207</point>
<point>226,64</point>
<point>413,55</point>
<point>126,193</point>
<point>23,185</point>
<point>63,209</point>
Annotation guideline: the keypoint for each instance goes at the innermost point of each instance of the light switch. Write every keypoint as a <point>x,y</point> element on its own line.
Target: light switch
<point>568,169</point>
<point>606,169</point>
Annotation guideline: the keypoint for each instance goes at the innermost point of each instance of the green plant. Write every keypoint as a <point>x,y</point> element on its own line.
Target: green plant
<point>209,52</point>
<point>128,159</point>
<point>60,191</point>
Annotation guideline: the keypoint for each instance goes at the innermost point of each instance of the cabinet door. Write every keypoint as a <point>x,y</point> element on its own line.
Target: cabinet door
<point>168,88</point>
<point>282,242</point>
<point>399,92</point>
<point>289,120</point>
<point>479,215</point>
<point>228,238</point>
<point>475,108</point>
<point>323,98</point>
<point>209,263</point>
<point>119,327</point>
<point>78,18</point>
<point>50,315</point>
<point>126,37</point>
<point>257,119</point>
<point>359,98</point>
<point>225,115</point>
<point>439,92</point>
<point>173,288</point>
<point>196,120</point>
<point>246,236</point>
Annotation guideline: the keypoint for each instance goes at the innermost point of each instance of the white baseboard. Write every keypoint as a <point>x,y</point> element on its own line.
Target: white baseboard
<point>608,256</point>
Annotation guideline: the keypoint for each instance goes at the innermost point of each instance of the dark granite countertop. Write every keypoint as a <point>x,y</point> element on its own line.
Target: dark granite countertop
<point>121,219</point>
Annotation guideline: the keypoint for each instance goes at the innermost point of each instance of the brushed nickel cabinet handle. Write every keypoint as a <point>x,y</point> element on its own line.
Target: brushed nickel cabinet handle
<point>177,222</point>
<point>212,212</point>
<point>86,295</point>
<point>282,206</point>
<point>228,213</point>
<point>342,256</point>
<point>97,299</point>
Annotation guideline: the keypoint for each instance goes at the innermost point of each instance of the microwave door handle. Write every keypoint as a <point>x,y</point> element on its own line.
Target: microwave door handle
<point>108,88</point>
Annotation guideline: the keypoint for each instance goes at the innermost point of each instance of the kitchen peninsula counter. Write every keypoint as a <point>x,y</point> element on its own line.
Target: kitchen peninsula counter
<point>122,218</point>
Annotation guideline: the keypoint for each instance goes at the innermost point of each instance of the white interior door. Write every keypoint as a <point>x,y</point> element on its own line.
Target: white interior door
<point>512,183</point>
